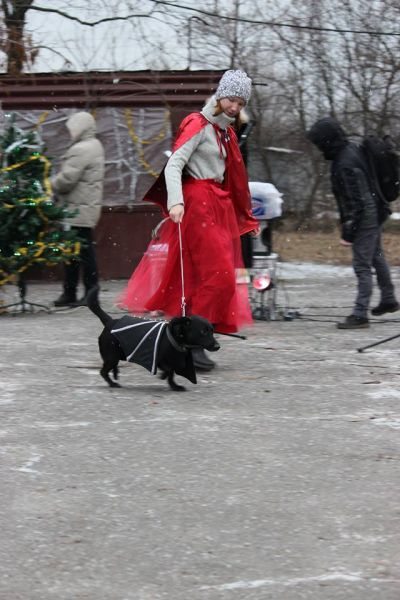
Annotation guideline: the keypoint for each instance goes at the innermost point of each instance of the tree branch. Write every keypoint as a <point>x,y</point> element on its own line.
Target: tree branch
<point>61,13</point>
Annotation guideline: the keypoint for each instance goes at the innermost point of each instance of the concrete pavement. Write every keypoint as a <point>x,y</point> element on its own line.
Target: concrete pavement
<point>276,477</point>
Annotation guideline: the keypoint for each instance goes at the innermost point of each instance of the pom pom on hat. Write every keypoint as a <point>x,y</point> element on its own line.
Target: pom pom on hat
<point>234,83</point>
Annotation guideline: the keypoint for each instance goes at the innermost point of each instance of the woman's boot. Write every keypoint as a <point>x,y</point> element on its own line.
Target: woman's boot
<point>201,361</point>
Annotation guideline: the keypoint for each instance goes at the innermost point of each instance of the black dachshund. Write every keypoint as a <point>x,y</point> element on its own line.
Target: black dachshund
<point>152,344</point>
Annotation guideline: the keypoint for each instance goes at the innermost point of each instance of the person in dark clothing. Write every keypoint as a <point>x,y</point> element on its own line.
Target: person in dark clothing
<point>362,214</point>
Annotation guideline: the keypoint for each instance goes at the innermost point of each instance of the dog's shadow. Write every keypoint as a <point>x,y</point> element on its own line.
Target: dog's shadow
<point>160,389</point>
<point>142,388</point>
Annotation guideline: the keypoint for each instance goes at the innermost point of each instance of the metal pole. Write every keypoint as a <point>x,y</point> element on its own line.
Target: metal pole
<point>377,343</point>
<point>189,43</point>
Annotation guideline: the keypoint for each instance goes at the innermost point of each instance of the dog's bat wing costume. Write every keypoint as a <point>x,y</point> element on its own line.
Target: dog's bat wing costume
<point>140,341</point>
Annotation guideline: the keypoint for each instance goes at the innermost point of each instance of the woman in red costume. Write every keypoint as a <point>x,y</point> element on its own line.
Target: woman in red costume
<point>204,188</point>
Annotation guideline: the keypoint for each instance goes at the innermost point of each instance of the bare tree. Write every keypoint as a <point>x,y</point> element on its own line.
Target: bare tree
<point>20,51</point>
<point>16,45</point>
<point>350,72</point>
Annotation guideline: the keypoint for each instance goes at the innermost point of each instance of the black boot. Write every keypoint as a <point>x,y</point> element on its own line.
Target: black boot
<point>385,307</point>
<point>66,299</point>
<point>83,301</point>
<point>201,361</point>
<point>353,322</point>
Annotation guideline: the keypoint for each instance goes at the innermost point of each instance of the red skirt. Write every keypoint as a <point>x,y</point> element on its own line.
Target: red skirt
<point>211,257</point>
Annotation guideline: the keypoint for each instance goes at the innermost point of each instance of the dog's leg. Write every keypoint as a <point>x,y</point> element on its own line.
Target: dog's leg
<point>104,372</point>
<point>174,386</point>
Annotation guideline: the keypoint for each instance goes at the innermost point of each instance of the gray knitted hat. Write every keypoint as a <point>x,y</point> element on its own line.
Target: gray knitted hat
<point>234,83</point>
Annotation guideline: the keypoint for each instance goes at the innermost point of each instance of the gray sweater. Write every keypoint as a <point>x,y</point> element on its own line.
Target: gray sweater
<point>199,156</point>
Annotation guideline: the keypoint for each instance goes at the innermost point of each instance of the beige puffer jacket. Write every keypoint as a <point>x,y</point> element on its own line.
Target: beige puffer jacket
<point>80,180</point>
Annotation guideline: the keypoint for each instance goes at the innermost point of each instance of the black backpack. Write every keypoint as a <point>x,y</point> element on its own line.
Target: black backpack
<point>383,164</point>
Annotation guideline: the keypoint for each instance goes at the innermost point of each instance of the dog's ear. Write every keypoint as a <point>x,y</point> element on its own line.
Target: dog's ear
<point>179,326</point>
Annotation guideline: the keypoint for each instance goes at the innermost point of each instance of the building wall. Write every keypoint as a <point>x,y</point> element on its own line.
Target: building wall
<point>122,236</point>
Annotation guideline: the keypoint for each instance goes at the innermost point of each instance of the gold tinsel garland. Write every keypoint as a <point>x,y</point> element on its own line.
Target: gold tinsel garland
<point>41,246</point>
<point>140,142</point>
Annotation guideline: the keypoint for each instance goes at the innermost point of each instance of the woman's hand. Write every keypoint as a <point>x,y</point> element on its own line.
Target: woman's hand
<point>255,232</point>
<point>176,213</point>
<point>344,243</point>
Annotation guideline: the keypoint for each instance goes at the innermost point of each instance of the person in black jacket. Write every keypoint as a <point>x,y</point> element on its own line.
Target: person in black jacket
<point>362,214</point>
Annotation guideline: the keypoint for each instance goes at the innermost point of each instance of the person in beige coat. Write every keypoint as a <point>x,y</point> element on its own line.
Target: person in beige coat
<point>79,185</point>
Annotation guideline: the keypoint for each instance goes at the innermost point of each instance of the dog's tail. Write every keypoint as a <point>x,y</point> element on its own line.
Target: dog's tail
<point>92,301</point>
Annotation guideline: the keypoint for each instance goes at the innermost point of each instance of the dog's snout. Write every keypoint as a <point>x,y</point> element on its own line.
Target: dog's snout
<point>214,347</point>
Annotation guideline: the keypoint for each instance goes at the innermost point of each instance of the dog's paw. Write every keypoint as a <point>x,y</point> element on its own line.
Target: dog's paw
<point>177,388</point>
<point>114,384</point>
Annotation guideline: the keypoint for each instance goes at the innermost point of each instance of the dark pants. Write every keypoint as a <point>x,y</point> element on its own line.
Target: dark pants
<point>247,250</point>
<point>368,253</point>
<point>87,263</point>
<point>266,236</point>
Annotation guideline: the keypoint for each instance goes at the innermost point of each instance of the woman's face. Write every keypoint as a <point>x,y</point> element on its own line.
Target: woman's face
<point>232,105</point>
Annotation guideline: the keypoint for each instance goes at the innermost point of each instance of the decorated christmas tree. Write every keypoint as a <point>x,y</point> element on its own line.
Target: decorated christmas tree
<point>31,231</point>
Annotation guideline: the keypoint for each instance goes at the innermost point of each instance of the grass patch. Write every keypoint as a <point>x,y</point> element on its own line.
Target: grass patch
<point>324,246</point>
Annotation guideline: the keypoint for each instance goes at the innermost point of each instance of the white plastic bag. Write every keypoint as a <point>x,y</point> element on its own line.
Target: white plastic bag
<point>266,200</point>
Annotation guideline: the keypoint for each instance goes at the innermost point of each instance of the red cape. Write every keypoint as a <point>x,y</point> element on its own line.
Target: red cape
<point>236,181</point>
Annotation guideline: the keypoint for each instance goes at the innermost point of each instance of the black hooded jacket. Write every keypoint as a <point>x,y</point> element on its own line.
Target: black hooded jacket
<point>358,205</point>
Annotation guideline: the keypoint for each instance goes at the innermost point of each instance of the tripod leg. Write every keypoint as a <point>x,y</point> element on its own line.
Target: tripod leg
<point>377,343</point>
<point>22,291</point>
<point>23,305</point>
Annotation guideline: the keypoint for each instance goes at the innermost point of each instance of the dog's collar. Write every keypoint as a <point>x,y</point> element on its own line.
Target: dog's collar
<point>174,343</point>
